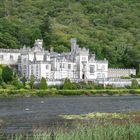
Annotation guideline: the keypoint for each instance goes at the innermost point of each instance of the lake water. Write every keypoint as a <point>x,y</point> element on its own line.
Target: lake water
<point>25,114</point>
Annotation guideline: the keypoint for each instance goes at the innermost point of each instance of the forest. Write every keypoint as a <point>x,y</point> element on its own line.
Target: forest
<point>109,28</point>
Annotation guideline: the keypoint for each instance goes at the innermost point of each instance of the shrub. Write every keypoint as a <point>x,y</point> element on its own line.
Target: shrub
<point>18,84</point>
<point>67,84</point>
<point>24,80</point>
<point>109,86</point>
<point>7,74</point>
<point>54,91</point>
<point>32,80</point>
<point>134,84</point>
<point>43,83</point>
<point>27,85</point>
<point>3,84</point>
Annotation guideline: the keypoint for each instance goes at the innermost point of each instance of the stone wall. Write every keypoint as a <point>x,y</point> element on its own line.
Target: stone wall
<point>117,73</point>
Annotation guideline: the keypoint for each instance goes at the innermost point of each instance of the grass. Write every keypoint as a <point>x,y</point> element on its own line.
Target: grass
<point>103,128</point>
<point>95,131</point>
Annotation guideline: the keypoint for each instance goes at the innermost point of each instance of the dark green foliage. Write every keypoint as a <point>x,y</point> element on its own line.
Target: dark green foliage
<point>52,92</point>
<point>1,75</point>
<point>134,84</point>
<point>32,81</point>
<point>43,83</point>
<point>24,80</point>
<point>7,74</point>
<point>67,84</point>
<point>110,28</point>
<point>17,83</point>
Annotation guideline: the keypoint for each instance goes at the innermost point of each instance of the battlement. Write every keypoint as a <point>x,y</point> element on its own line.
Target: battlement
<point>9,50</point>
<point>121,69</point>
<point>120,72</point>
<point>84,51</point>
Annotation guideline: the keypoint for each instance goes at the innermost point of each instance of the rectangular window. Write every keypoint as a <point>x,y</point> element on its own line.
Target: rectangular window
<point>92,67</point>
<point>47,67</point>
<point>69,66</point>
<point>47,75</point>
<point>63,65</point>
<point>99,75</point>
<point>75,67</point>
<point>1,57</point>
<point>60,65</point>
<point>11,57</point>
<point>103,67</point>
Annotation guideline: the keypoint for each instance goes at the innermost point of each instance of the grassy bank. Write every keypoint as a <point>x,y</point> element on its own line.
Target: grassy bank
<point>107,131</point>
<point>55,92</point>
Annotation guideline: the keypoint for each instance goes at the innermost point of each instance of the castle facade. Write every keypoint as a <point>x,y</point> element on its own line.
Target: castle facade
<point>78,64</point>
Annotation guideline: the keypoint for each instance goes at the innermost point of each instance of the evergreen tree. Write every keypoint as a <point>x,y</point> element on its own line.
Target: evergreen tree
<point>134,84</point>
<point>7,74</point>
<point>32,81</point>
<point>67,84</point>
<point>46,30</point>
<point>43,83</point>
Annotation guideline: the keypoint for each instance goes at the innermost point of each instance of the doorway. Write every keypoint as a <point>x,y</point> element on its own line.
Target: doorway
<point>83,76</point>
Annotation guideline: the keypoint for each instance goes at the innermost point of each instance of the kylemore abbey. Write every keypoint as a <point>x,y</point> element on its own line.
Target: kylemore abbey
<point>78,64</point>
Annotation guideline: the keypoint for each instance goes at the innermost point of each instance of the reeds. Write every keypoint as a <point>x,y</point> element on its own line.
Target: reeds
<point>95,131</point>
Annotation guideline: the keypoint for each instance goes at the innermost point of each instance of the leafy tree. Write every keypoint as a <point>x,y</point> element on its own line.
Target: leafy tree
<point>43,83</point>
<point>32,81</point>
<point>7,74</point>
<point>134,84</point>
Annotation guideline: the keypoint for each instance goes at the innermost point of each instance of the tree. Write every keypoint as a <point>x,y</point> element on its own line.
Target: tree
<point>67,84</point>
<point>134,84</point>
<point>43,83</point>
<point>1,75</point>
<point>32,81</point>
<point>46,30</point>
<point>7,74</point>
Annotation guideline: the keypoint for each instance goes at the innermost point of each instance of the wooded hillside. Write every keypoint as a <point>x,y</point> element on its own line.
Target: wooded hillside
<point>110,28</point>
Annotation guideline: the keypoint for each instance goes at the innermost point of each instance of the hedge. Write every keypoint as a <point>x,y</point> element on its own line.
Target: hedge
<point>53,92</point>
